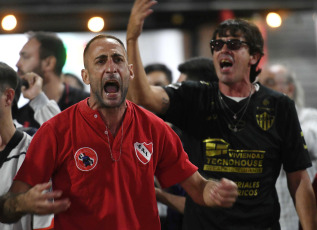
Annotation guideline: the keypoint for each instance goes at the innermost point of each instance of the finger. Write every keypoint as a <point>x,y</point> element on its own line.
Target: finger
<point>224,193</point>
<point>61,205</point>
<point>222,201</point>
<point>52,195</point>
<point>227,194</point>
<point>225,182</point>
<point>53,207</point>
<point>143,8</point>
<point>44,186</point>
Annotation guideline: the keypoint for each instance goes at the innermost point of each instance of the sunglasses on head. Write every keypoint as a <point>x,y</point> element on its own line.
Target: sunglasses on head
<point>232,44</point>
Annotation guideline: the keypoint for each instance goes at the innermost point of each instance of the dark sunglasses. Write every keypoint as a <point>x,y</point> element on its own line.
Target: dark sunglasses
<point>233,44</point>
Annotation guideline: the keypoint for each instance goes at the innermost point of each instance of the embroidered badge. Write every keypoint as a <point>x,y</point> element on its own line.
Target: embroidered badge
<point>143,151</point>
<point>86,159</point>
<point>265,115</point>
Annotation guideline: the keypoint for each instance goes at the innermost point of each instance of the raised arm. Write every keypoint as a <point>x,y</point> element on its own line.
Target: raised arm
<point>175,202</point>
<point>44,109</point>
<point>210,193</point>
<point>22,200</point>
<point>302,192</point>
<point>153,98</point>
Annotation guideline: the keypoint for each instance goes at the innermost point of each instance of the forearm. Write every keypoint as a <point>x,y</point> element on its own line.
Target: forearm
<point>44,109</point>
<point>302,193</point>
<point>139,86</point>
<point>211,193</point>
<point>140,91</point>
<point>153,98</point>
<point>306,206</point>
<point>175,202</point>
<point>194,187</point>
<point>10,211</point>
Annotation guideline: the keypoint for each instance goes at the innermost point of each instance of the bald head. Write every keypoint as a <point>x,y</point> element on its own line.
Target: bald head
<point>101,36</point>
<point>278,77</point>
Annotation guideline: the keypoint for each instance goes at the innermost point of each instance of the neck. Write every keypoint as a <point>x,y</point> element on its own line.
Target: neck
<point>242,89</point>
<point>113,118</point>
<point>7,131</point>
<point>53,88</point>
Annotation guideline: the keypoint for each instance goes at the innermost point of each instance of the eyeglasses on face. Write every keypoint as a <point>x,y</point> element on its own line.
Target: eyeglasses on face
<point>233,44</point>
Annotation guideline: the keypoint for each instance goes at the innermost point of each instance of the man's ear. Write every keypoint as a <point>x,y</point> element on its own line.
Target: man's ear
<point>255,58</point>
<point>9,96</point>
<point>291,90</point>
<point>85,76</point>
<point>49,63</point>
<point>131,71</point>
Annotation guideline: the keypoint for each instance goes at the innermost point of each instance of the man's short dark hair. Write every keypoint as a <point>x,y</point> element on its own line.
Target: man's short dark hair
<point>77,79</point>
<point>199,69</point>
<point>51,45</point>
<point>251,33</point>
<point>98,37</point>
<point>8,77</point>
<point>159,67</point>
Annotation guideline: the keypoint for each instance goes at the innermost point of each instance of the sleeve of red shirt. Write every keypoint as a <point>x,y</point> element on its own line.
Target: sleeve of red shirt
<point>40,158</point>
<point>174,165</point>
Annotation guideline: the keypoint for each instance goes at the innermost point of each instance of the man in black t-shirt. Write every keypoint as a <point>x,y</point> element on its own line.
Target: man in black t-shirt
<point>247,132</point>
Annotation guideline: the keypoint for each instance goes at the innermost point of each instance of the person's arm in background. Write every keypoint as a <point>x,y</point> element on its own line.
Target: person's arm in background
<point>301,190</point>
<point>210,193</point>
<point>153,98</point>
<point>44,109</point>
<point>23,199</point>
<point>175,202</point>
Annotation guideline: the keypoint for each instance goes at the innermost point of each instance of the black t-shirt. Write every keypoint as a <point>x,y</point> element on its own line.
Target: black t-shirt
<point>25,115</point>
<point>268,136</point>
<point>71,96</point>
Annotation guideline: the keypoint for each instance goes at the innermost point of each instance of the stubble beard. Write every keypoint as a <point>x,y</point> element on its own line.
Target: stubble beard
<point>104,105</point>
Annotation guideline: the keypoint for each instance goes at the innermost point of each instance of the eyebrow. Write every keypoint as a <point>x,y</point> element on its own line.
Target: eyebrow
<point>103,56</point>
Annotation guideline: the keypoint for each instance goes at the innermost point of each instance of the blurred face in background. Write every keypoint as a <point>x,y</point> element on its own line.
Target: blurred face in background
<point>29,60</point>
<point>157,78</point>
<point>275,77</point>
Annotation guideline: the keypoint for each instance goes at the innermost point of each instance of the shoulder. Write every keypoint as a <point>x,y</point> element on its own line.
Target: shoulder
<point>66,116</point>
<point>77,92</point>
<point>190,85</point>
<point>142,114</point>
<point>263,90</point>
<point>272,95</point>
<point>308,115</point>
<point>19,143</point>
<point>190,92</point>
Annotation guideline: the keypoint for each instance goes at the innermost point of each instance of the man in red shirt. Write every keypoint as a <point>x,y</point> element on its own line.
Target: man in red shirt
<point>102,155</point>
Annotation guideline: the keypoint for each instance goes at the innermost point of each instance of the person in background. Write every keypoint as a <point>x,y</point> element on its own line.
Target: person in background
<point>247,131</point>
<point>280,78</point>
<point>197,69</point>
<point>45,54</point>
<point>43,108</point>
<point>73,81</point>
<point>14,144</point>
<point>158,74</point>
<point>193,69</point>
<point>102,161</point>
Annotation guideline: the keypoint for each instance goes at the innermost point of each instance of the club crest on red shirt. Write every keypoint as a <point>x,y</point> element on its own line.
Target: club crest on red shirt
<point>143,151</point>
<point>86,159</point>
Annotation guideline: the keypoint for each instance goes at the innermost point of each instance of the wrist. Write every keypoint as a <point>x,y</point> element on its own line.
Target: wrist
<point>18,204</point>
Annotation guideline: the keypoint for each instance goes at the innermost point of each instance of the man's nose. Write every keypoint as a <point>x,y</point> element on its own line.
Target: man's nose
<point>18,64</point>
<point>111,66</point>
